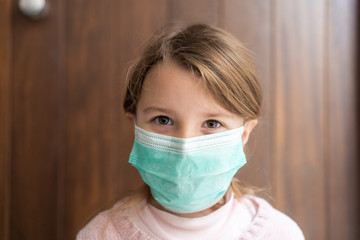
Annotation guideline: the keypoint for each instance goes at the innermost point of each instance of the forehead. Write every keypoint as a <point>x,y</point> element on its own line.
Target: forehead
<point>169,79</point>
<point>172,87</point>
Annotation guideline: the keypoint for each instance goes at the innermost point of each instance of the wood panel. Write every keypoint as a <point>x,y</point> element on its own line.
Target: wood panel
<point>342,143</point>
<point>188,11</point>
<point>299,125</point>
<point>253,28</point>
<point>5,116</point>
<point>88,110</point>
<point>61,116</point>
<point>35,127</point>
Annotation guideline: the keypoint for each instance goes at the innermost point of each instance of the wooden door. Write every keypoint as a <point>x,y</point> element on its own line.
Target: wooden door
<point>64,140</point>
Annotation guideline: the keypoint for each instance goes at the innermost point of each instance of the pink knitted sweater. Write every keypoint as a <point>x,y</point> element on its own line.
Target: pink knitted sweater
<point>250,218</point>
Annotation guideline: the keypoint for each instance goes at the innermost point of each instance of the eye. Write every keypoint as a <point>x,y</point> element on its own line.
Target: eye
<point>212,124</point>
<point>163,120</point>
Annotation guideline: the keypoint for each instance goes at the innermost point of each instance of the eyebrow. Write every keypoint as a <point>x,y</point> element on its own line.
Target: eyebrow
<point>157,109</point>
<point>213,115</point>
<point>217,115</point>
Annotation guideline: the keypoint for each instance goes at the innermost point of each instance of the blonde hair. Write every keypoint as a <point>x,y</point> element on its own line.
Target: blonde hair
<point>224,65</point>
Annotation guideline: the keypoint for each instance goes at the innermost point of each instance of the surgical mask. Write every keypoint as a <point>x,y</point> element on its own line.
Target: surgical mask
<point>188,175</point>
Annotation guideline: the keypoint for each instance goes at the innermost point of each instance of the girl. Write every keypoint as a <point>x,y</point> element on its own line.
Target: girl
<point>194,99</point>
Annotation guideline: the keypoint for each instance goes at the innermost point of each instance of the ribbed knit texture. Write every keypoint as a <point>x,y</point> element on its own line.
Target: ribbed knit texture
<point>254,219</point>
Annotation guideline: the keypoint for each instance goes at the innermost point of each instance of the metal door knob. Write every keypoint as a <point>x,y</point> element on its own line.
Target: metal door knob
<point>34,9</point>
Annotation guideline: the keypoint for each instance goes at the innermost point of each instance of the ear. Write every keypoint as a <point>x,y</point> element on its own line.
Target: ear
<point>131,117</point>
<point>249,126</point>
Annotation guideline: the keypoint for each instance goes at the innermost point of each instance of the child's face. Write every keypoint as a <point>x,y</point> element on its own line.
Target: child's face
<point>174,103</point>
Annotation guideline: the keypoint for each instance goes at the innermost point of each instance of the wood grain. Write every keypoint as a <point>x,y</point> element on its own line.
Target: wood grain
<point>88,110</point>
<point>342,122</point>
<point>5,116</point>
<point>298,173</point>
<point>61,115</point>
<point>35,125</point>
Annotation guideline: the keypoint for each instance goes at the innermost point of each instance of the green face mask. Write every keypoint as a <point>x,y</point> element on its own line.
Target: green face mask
<point>188,175</point>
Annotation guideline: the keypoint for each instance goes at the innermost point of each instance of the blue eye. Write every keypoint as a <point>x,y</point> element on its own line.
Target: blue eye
<point>212,124</point>
<point>163,120</point>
